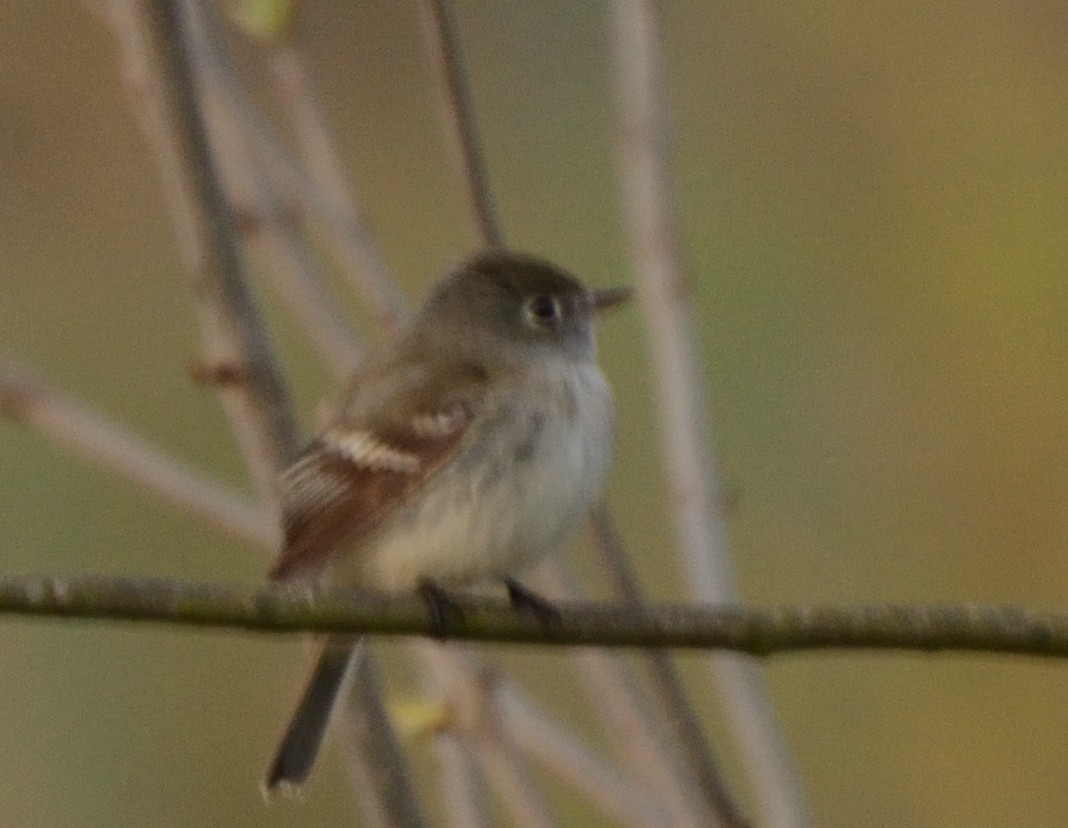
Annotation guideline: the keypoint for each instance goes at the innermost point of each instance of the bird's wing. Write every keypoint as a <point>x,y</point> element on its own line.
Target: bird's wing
<point>359,470</point>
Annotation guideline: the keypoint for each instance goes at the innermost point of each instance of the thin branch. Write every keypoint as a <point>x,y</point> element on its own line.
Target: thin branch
<point>271,224</point>
<point>542,737</point>
<point>26,398</point>
<point>457,111</point>
<point>469,686</point>
<point>235,345</point>
<point>682,722</point>
<point>478,755</point>
<point>343,219</point>
<point>353,239</point>
<point>458,117</point>
<point>340,216</point>
<point>269,219</point>
<point>380,776</point>
<point>641,740</point>
<point>158,64</point>
<point>461,782</point>
<point>663,291</point>
<point>759,632</point>
<point>360,252</point>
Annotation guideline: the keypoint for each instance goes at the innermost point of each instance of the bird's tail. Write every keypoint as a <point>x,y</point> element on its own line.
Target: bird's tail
<point>293,761</point>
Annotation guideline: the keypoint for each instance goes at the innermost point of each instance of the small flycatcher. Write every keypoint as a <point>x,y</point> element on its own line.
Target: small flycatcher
<point>468,444</point>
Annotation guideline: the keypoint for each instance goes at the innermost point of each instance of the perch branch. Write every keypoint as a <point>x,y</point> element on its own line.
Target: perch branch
<point>756,631</point>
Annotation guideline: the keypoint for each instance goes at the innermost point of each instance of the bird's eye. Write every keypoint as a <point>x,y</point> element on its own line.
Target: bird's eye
<point>542,311</point>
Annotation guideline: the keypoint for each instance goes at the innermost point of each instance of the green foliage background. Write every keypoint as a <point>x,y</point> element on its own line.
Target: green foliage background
<point>875,199</point>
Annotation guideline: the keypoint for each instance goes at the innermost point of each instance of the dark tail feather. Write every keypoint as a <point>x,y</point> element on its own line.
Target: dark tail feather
<point>293,761</point>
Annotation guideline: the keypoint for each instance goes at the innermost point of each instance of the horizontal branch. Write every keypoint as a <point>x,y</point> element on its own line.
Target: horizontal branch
<point>759,632</point>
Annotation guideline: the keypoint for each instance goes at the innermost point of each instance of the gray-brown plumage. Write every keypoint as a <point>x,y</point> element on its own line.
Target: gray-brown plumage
<point>466,445</point>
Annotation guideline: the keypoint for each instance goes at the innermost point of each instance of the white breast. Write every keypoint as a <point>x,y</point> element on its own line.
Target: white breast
<point>539,462</point>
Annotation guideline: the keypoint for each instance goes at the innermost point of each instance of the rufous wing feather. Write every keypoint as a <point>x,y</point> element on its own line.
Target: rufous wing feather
<point>351,477</point>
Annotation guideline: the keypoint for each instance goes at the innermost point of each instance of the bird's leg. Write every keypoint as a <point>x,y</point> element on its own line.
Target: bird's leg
<point>524,599</point>
<point>440,604</point>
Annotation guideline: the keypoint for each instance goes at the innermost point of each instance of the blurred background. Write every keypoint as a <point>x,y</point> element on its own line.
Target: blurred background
<point>874,200</point>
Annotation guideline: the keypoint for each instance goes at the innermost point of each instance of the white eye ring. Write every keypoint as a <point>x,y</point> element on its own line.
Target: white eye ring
<point>542,311</point>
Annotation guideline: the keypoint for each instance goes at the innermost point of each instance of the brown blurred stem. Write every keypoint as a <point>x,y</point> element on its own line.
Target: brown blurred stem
<point>683,725</point>
<point>665,299</point>
<point>462,135</point>
<point>28,399</point>
<point>457,110</point>
<point>637,729</point>
<point>462,131</point>
<point>365,263</point>
<point>543,738</point>
<point>157,61</point>
<point>375,761</point>
<point>472,686</point>
<point>269,217</point>
<point>234,343</point>
<point>460,779</point>
<point>329,201</point>
<point>472,712</point>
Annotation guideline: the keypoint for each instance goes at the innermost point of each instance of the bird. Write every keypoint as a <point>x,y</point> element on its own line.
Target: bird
<point>468,443</point>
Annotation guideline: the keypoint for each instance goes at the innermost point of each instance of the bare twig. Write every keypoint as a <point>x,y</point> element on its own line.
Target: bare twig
<point>482,688</point>
<point>26,398</point>
<point>376,762</point>
<point>268,219</point>
<point>360,252</point>
<point>643,742</point>
<point>495,757</point>
<point>662,291</point>
<point>458,117</point>
<point>544,739</point>
<point>468,687</point>
<point>468,160</point>
<point>341,217</point>
<point>162,86</point>
<point>270,224</point>
<point>161,77</point>
<point>686,734</point>
<point>462,136</point>
<point>461,784</point>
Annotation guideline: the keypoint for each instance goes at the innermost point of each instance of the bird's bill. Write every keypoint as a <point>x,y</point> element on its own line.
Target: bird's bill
<point>601,300</point>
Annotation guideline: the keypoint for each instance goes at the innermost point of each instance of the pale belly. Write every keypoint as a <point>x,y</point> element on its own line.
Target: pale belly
<point>501,505</point>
